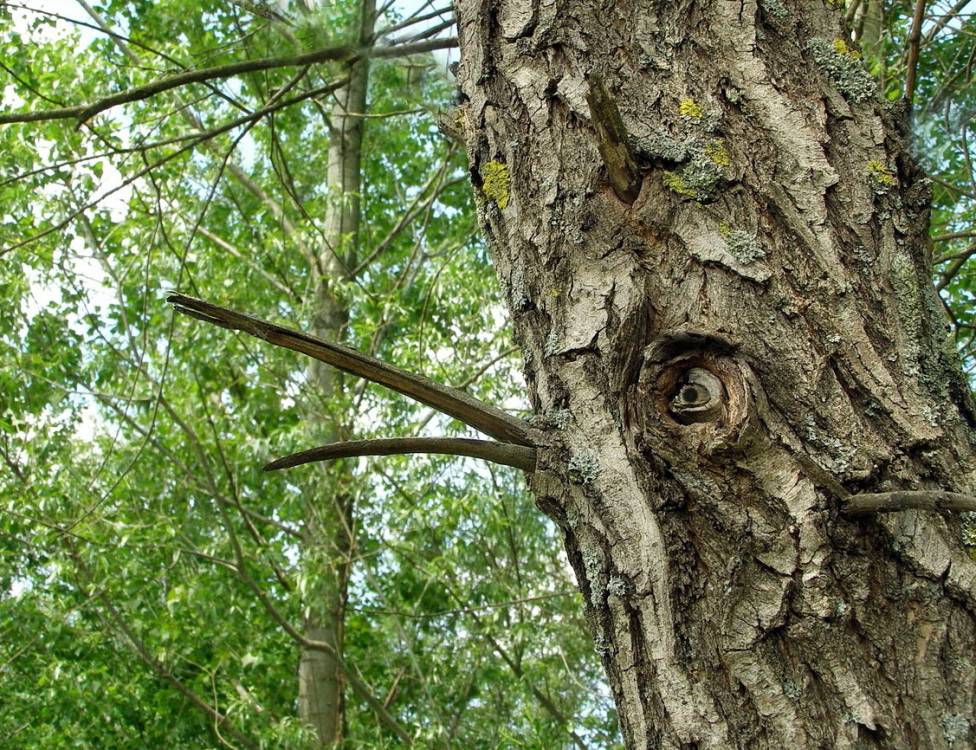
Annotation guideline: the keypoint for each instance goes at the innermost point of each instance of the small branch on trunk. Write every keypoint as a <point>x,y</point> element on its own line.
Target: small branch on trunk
<point>888,502</point>
<point>866,503</point>
<point>519,456</point>
<point>611,135</point>
<point>451,401</point>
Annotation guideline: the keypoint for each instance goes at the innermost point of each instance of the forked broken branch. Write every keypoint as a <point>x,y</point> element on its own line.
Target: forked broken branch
<point>518,439</point>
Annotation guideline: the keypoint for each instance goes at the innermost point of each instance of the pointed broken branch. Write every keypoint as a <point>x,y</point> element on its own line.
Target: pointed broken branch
<point>888,502</point>
<point>451,401</point>
<point>519,456</point>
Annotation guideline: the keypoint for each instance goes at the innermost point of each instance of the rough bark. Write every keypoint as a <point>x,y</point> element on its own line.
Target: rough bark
<point>777,247</point>
<point>330,500</point>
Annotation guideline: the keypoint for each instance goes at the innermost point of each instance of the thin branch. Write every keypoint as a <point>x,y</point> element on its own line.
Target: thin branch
<point>462,610</point>
<point>247,261</point>
<point>194,141</point>
<point>427,33</point>
<point>99,26</point>
<point>468,381</point>
<point>888,502</point>
<point>346,53</point>
<point>952,236</point>
<point>544,700</point>
<point>413,19</point>
<point>139,648</point>
<point>945,20</point>
<point>952,188</point>
<point>421,202</point>
<point>518,456</point>
<point>959,260</point>
<point>357,684</point>
<point>453,402</point>
<point>914,40</point>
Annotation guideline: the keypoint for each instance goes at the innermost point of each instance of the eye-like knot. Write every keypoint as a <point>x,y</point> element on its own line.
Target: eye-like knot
<point>699,397</point>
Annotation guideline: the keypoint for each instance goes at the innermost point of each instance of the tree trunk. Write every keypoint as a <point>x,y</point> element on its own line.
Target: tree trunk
<point>721,355</point>
<point>329,525</point>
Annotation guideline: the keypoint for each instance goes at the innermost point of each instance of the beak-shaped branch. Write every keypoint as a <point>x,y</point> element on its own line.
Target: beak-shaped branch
<point>519,456</point>
<point>451,401</point>
<point>618,156</point>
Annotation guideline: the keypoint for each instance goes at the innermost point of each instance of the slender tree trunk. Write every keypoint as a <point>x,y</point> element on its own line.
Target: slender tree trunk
<point>330,498</point>
<point>721,345</point>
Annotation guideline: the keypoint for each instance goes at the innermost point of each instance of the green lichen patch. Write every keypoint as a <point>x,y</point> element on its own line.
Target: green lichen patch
<point>742,245</point>
<point>880,177</point>
<point>717,153</point>
<point>843,65</point>
<point>583,468</point>
<point>677,184</point>
<point>841,48</point>
<point>955,727</point>
<point>701,158</point>
<point>774,8</point>
<point>690,108</point>
<point>496,182</point>
<point>662,146</point>
<point>697,179</point>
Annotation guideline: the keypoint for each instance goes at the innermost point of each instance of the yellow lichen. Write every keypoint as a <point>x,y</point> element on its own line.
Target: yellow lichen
<point>678,184</point>
<point>843,49</point>
<point>880,177</point>
<point>880,173</point>
<point>717,153</point>
<point>690,108</point>
<point>724,228</point>
<point>496,182</point>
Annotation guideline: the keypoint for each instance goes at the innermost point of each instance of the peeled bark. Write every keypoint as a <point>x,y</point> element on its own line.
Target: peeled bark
<point>719,360</point>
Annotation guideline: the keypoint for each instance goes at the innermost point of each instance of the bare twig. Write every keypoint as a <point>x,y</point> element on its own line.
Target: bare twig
<point>914,40</point>
<point>888,502</point>
<point>945,20</point>
<point>958,261</point>
<point>193,142</point>
<point>247,261</point>
<point>343,53</point>
<point>519,456</point>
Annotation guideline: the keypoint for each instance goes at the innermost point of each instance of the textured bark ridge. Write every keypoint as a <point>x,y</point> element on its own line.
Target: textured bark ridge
<point>718,358</point>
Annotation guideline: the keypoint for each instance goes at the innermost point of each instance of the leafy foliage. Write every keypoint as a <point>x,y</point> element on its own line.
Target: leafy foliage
<point>148,565</point>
